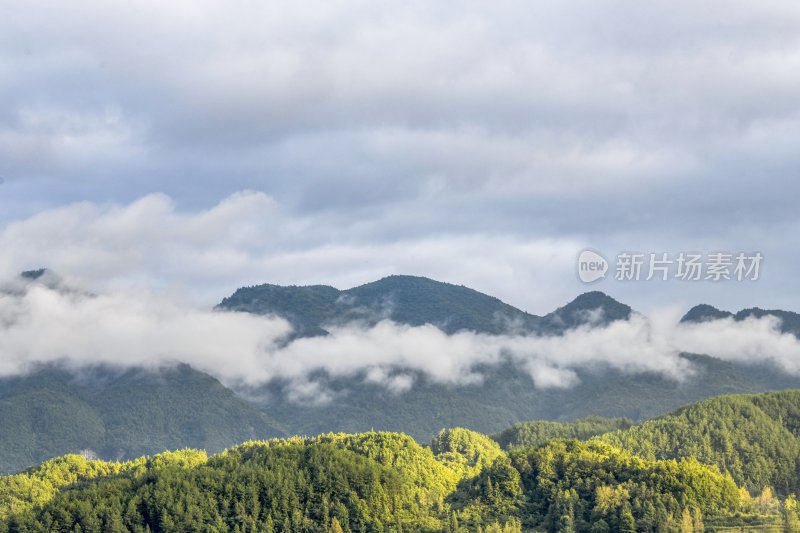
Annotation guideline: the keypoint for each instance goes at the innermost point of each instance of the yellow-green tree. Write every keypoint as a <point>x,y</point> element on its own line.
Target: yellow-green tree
<point>336,527</point>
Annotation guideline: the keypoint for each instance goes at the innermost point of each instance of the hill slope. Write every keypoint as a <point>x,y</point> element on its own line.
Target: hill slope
<point>507,395</point>
<point>367,482</point>
<point>120,414</point>
<point>754,437</point>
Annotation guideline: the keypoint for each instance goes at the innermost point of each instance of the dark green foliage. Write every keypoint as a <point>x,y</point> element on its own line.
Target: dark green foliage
<point>754,437</point>
<point>594,308</point>
<point>507,396</point>
<point>406,299</point>
<point>538,432</point>
<point>372,482</point>
<point>571,485</point>
<point>120,414</point>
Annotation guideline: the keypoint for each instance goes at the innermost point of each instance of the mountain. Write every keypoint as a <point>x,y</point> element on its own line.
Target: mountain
<point>506,394</point>
<point>371,482</point>
<point>416,301</point>
<point>120,414</point>
<point>594,308</point>
<point>704,313</point>
<point>405,299</point>
<point>789,321</point>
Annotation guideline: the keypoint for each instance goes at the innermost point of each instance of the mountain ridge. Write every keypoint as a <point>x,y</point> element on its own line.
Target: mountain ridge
<point>415,301</point>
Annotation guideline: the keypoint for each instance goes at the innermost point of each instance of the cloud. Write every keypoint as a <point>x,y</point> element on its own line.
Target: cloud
<point>129,328</point>
<point>751,340</point>
<point>565,109</point>
<point>414,126</point>
<point>248,238</point>
<point>48,321</point>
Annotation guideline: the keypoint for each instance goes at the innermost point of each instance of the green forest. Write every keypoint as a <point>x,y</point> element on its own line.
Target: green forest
<point>727,464</point>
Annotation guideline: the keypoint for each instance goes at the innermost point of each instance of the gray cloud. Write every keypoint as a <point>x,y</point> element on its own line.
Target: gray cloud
<point>251,238</point>
<point>547,96</point>
<point>654,126</point>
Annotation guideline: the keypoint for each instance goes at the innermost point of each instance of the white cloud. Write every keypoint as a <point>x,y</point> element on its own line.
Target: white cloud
<point>248,239</point>
<point>129,328</point>
<point>751,340</point>
<point>51,323</point>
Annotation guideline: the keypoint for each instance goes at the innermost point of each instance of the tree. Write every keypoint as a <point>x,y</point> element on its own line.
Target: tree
<point>626,522</point>
<point>601,526</point>
<point>765,501</point>
<point>687,526</point>
<point>791,523</point>
<point>336,527</point>
<point>698,521</point>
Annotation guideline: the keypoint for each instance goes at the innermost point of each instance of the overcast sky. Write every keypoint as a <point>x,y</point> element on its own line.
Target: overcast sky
<point>195,147</point>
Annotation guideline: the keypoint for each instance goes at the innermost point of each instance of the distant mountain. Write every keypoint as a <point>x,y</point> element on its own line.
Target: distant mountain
<point>704,313</point>
<point>416,301</point>
<point>506,395</point>
<point>118,414</point>
<point>593,308</point>
<point>405,299</point>
<point>789,321</point>
<point>538,432</point>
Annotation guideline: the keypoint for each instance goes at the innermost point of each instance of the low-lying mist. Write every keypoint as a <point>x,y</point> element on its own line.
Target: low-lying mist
<point>46,322</point>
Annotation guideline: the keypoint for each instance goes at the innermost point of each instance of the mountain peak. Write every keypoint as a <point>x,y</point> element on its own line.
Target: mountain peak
<point>704,313</point>
<point>789,321</point>
<point>411,300</point>
<point>594,307</point>
<point>593,300</point>
<point>33,274</point>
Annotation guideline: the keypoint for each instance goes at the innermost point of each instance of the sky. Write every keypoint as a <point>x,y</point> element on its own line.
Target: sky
<point>189,148</point>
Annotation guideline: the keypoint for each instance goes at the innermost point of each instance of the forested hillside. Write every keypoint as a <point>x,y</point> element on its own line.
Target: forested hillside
<point>753,437</point>
<point>376,482</point>
<point>538,432</point>
<point>415,301</point>
<point>120,414</point>
<point>406,299</point>
<point>507,396</point>
<point>725,464</point>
